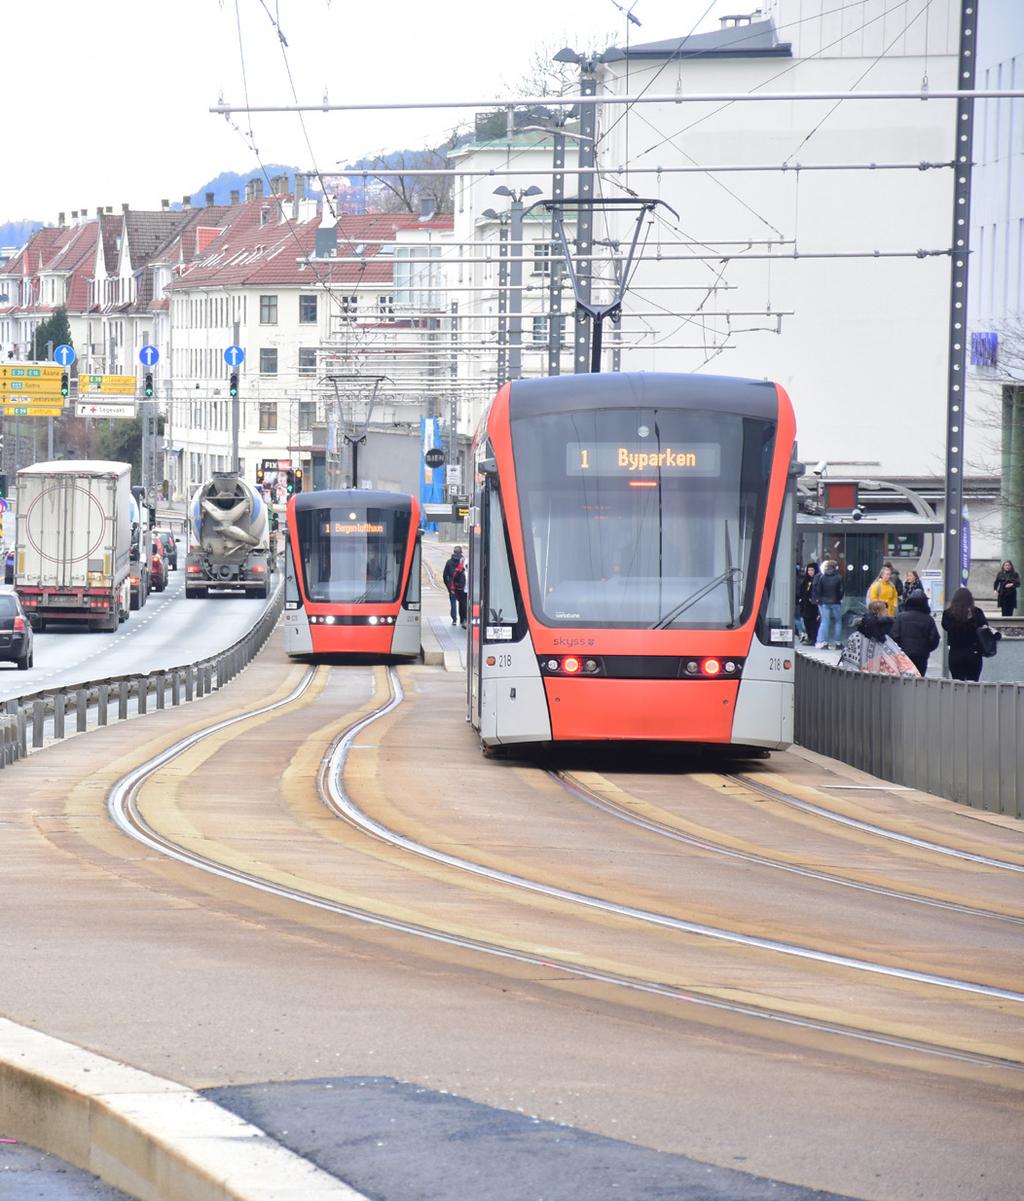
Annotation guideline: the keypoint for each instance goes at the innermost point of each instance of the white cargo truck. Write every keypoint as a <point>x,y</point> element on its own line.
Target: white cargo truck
<point>73,542</point>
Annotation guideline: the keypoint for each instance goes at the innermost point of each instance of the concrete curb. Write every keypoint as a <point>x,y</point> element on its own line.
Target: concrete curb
<point>433,655</point>
<point>151,1138</point>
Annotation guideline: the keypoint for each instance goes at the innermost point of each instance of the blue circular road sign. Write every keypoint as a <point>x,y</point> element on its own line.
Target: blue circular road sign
<point>149,356</point>
<point>234,355</point>
<point>64,355</point>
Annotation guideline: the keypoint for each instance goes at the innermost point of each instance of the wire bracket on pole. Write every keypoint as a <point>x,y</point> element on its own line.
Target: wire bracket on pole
<point>613,309</point>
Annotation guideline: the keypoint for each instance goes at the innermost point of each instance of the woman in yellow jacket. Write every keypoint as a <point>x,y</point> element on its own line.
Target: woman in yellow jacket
<point>883,589</point>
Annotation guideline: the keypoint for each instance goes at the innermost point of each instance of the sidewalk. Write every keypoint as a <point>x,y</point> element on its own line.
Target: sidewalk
<point>448,642</point>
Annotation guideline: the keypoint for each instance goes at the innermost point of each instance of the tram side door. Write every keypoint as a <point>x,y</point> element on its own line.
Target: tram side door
<point>477,574</point>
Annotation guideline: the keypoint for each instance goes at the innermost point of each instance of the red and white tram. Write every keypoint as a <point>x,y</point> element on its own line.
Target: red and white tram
<point>352,574</point>
<point>632,569</point>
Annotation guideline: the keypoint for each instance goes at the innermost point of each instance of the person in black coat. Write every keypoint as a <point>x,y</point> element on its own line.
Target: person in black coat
<point>806,606</point>
<point>911,585</point>
<point>914,629</point>
<point>1007,583</point>
<point>961,622</point>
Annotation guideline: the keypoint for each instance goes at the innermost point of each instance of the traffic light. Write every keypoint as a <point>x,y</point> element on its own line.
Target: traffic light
<point>149,384</point>
<point>65,387</point>
<point>297,476</point>
<point>3,478</point>
<point>233,385</point>
<point>289,481</point>
<point>261,476</point>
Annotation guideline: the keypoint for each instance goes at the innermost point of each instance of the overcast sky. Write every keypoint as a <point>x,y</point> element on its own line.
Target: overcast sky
<point>106,100</point>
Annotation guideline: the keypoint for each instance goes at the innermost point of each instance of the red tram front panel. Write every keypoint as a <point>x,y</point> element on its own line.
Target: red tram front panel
<point>629,529</point>
<point>352,575</point>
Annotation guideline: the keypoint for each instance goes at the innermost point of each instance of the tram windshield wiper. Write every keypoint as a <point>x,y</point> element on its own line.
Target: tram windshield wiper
<point>730,574</point>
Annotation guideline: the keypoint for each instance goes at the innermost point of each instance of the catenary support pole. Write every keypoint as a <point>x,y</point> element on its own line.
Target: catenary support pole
<point>955,573</point>
<point>235,413</point>
<point>585,217</point>
<point>555,263</point>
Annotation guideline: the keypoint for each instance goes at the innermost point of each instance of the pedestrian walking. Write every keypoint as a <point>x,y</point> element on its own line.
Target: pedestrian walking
<point>454,577</point>
<point>827,593</point>
<point>961,621</point>
<point>911,585</point>
<point>807,607</point>
<point>871,648</point>
<point>914,629</point>
<point>883,589</point>
<point>1007,583</point>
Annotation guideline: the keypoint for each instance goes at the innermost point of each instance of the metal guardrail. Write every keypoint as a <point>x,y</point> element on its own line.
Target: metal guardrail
<point>954,739</point>
<point>24,720</point>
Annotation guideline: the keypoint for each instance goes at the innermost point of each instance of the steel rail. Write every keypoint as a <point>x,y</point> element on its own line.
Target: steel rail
<point>593,798</point>
<point>124,811</point>
<point>869,828</point>
<point>343,805</point>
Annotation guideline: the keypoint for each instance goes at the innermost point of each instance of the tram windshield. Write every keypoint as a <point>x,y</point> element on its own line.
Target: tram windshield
<point>645,518</point>
<point>353,554</point>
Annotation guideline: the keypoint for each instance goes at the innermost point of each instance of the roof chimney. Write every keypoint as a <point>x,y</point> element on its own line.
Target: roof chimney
<point>165,204</point>
<point>125,208</point>
<point>257,186</point>
<point>99,211</point>
<point>234,195</point>
<point>60,220</point>
<point>74,214</point>
<point>186,202</point>
<point>300,186</point>
<point>209,199</point>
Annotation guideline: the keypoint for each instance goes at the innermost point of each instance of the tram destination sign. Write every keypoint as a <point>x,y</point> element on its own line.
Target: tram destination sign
<point>646,461</point>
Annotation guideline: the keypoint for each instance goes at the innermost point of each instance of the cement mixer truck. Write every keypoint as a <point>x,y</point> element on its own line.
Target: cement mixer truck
<point>230,547</point>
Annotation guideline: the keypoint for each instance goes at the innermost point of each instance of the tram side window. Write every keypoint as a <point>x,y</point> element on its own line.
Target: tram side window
<point>781,602</point>
<point>501,596</point>
<point>412,590</point>
<point>291,585</point>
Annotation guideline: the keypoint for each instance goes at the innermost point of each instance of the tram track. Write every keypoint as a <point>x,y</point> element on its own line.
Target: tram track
<point>590,796</point>
<point>125,811</point>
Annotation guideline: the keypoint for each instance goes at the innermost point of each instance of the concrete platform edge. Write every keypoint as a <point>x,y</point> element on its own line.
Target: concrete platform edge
<point>152,1138</point>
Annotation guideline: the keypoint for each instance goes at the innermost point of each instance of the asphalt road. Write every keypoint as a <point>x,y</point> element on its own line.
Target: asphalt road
<point>30,1175</point>
<point>168,631</point>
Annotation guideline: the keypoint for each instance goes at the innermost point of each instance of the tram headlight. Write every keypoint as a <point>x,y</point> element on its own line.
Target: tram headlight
<point>692,668</point>
<point>329,619</point>
<point>591,666</point>
<point>730,667</point>
<point>570,665</point>
<point>712,667</point>
<point>552,665</point>
<point>373,619</point>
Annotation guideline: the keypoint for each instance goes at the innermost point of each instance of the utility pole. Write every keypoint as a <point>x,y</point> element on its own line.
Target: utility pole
<point>585,214</point>
<point>555,264</point>
<point>235,410</point>
<point>955,572</point>
<point>502,302</point>
<point>515,323</point>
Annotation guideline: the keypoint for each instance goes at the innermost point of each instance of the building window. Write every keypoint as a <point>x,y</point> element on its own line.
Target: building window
<point>307,310</point>
<point>268,360</point>
<point>540,330</point>
<point>541,261</point>
<point>386,305</point>
<point>307,414</point>
<point>268,416</point>
<point>349,306</point>
<point>307,360</point>
<point>268,310</point>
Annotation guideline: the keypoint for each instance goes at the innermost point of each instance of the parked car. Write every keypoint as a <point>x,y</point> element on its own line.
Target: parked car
<point>158,568</point>
<point>9,567</point>
<point>170,548</point>
<point>16,635</point>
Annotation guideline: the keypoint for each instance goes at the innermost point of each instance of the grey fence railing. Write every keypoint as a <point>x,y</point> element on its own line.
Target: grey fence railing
<point>956,740</point>
<point>27,720</point>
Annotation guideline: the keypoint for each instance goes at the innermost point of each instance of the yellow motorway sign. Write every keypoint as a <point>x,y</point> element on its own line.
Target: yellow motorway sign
<point>30,387</point>
<point>34,410</point>
<point>110,385</point>
<point>28,371</point>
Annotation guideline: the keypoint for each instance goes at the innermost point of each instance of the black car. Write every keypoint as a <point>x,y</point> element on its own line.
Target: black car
<point>170,548</point>
<point>15,632</point>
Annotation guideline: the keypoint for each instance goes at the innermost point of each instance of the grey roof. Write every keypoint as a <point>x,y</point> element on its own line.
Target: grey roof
<point>149,230</point>
<point>756,40</point>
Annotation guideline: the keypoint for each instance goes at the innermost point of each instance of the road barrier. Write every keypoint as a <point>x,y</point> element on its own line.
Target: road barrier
<point>24,720</point>
<point>954,739</point>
